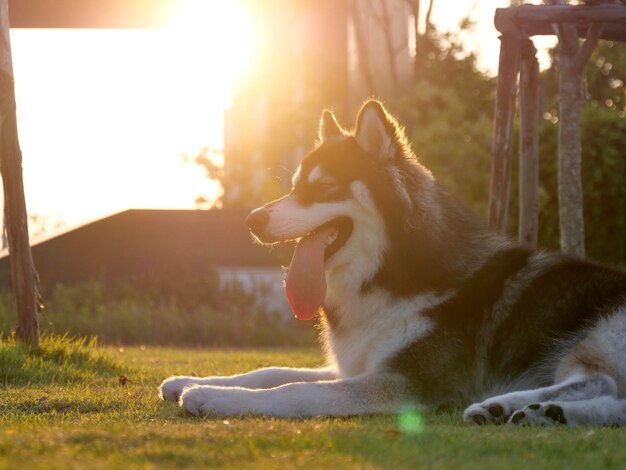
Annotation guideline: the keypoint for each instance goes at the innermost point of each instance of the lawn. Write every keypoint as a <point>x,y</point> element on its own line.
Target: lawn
<point>66,407</point>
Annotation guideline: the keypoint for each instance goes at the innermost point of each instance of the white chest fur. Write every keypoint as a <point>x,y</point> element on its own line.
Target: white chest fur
<point>372,327</point>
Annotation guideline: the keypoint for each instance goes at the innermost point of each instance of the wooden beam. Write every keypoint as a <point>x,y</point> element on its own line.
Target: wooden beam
<point>550,14</point>
<point>91,13</point>
<point>537,20</point>
<point>611,32</point>
<point>591,41</point>
<point>501,151</point>
<point>22,270</point>
<point>529,146</point>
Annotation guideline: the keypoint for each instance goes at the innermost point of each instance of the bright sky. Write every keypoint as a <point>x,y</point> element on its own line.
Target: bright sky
<point>105,115</point>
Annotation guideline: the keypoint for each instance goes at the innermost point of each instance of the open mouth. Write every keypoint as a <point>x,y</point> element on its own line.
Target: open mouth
<point>340,230</point>
<point>305,284</point>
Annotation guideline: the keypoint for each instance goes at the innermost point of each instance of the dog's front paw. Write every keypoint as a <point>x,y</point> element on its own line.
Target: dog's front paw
<point>172,388</point>
<point>193,398</point>
<point>548,414</point>
<point>490,411</point>
<point>215,401</point>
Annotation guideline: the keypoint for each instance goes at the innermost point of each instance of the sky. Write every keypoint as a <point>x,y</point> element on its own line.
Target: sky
<point>104,116</point>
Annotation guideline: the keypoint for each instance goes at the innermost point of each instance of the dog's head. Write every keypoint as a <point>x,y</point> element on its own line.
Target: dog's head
<point>343,193</point>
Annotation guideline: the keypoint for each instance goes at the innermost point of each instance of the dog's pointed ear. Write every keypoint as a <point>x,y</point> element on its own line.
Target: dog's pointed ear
<point>377,132</point>
<point>329,127</point>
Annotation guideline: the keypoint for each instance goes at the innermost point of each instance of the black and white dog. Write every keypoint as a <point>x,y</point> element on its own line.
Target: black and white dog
<point>422,304</point>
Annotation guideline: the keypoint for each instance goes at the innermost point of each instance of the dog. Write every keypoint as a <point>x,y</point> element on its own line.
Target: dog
<point>421,304</point>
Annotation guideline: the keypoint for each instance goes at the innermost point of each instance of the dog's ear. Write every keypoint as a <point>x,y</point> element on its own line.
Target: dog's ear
<point>329,127</point>
<point>377,132</point>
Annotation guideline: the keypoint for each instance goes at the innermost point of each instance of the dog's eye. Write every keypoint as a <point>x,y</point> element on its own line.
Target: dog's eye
<point>326,182</point>
<point>326,189</point>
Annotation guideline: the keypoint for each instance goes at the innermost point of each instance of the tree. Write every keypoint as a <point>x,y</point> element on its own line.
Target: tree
<point>603,138</point>
<point>388,71</point>
<point>448,116</point>
<point>209,160</point>
<point>16,222</point>
<point>572,61</point>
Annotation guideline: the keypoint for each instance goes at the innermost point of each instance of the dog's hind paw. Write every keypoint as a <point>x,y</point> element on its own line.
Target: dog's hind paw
<point>480,413</point>
<point>547,413</point>
<point>496,410</point>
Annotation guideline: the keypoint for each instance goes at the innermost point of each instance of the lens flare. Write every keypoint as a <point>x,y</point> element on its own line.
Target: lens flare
<point>410,421</point>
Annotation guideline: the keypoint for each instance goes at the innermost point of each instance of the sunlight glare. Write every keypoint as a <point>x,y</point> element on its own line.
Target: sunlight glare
<point>224,27</point>
<point>104,125</point>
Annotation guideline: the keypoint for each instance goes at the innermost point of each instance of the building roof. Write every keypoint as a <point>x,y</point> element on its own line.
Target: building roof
<point>136,242</point>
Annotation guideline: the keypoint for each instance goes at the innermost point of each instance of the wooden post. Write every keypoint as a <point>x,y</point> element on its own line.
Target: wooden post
<point>592,21</point>
<point>501,151</point>
<point>571,222</point>
<point>529,146</point>
<point>572,60</point>
<point>22,269</point>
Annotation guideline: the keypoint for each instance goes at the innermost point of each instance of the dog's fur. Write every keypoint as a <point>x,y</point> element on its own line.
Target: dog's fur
<point>425,306</point>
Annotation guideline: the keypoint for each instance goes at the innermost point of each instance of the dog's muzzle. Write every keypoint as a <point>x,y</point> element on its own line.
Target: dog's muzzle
<point>257,221</point>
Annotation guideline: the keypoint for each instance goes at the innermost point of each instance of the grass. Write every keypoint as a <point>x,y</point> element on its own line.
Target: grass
<point>76,413</point>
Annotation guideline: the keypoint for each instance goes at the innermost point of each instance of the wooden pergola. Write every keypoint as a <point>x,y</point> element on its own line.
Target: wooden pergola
<point>518,58</point>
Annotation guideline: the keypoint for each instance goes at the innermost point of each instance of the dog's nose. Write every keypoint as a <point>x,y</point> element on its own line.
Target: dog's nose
<point>257,220</point>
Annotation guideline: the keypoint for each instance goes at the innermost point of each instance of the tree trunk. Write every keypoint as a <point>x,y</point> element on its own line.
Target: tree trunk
<point>384,21</point>
<point>572,60</point>
<point>22,270</point>
<point>571,223</point>
<point>363,53</point>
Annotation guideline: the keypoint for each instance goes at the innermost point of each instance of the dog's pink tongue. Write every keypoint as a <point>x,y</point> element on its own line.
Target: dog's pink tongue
<point>305,285</point>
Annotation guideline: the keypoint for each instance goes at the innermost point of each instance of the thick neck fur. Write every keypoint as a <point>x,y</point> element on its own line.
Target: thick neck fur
<point>435,243</point>
<point>431,243</point>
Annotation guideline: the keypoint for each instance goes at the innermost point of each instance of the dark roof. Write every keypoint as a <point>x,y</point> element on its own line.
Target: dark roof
<point>136,242</point>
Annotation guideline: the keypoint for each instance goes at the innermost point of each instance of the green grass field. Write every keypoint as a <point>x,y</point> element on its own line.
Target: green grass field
<point>65,407</point>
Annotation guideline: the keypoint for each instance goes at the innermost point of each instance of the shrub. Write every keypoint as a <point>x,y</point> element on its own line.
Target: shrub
<point>185,310</point>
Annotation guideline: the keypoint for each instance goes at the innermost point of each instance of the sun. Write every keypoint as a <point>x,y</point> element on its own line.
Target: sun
<point>222,30</point>
<point>115,110</point>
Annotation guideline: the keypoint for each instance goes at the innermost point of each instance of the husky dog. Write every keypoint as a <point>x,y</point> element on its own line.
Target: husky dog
<point>421,305</point>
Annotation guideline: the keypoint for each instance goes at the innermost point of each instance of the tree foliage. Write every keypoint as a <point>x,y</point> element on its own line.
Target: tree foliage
<point>448,114</point>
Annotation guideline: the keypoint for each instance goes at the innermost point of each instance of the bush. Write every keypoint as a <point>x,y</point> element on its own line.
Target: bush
<point>187,310</point>
<point>449,120</point>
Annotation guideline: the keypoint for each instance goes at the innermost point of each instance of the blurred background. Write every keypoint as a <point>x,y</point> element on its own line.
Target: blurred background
<point>135,116</point>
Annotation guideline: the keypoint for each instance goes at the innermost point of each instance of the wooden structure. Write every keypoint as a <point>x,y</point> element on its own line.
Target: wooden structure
<point>517,57</point>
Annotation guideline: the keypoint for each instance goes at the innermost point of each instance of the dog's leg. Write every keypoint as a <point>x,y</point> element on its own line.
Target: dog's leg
<point>371,393</point>
<point>600,411</point>
<point>171,388</point>
<point>576,388</point>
